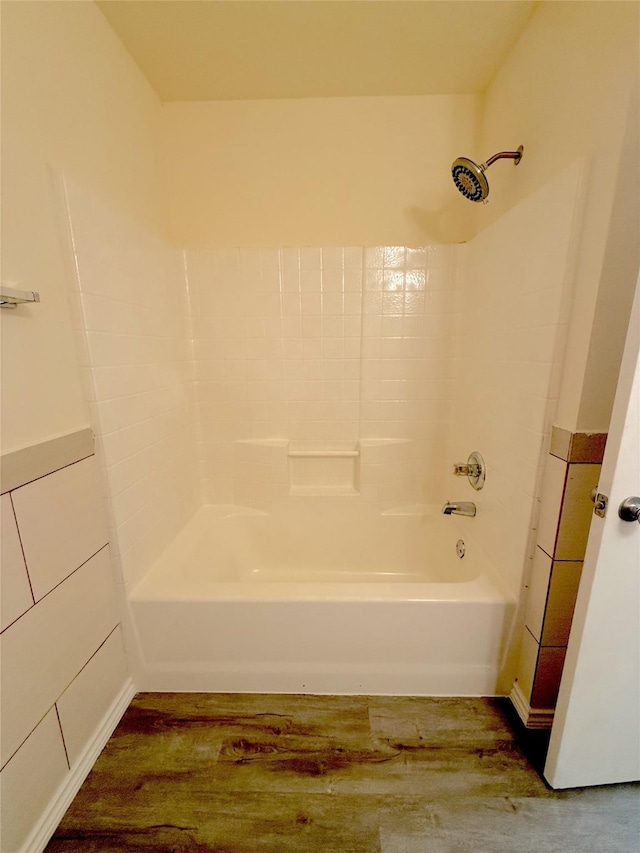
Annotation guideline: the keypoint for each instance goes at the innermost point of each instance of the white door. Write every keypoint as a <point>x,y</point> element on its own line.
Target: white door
<point>595,738</point>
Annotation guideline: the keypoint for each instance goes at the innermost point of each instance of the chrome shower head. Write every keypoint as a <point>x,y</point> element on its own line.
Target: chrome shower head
<point>470,178</point>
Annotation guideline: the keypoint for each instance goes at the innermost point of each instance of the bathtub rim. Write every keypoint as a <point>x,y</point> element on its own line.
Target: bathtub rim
<point>481,590</point>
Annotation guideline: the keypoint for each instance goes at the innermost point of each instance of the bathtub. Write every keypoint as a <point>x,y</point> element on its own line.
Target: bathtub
<point>321,596</point>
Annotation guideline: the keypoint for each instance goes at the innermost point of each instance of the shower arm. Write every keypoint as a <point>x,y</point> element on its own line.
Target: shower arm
<point>503,155</point>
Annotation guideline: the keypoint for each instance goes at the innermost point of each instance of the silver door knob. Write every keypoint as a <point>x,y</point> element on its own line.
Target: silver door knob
<point>629,509</point>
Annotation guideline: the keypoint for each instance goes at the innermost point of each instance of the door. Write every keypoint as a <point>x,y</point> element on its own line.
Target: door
<point>595,738</point>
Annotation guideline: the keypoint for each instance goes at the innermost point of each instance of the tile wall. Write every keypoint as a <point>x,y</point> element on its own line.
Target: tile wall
<point>62,657</point>
<point>132,317</point>
<point>572,472</point>
<point>186,354</point>
<point>408,349</point>
<point>417,355</point>
<point>277,350</point>
<point>323,346</point>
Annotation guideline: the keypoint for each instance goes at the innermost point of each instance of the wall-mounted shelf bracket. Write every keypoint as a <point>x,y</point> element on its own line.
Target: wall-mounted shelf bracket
<point>11,298</point>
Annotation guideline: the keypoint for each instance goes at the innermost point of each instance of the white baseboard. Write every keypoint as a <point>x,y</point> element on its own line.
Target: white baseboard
<point>533,718</point>
<point>46,826</point>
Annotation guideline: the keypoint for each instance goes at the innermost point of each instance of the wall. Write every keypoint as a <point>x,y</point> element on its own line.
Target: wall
<point>564,93</point>
<point>316,172</point>
<point>376,171</point>
<point>324,347</point>
<point>71,96</point>
<point>134,345</point>
<point>64,673</point>
<point>515,291</point>
<point>620,267</point>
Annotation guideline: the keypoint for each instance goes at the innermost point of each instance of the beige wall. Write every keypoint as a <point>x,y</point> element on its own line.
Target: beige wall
<point>619,272</point>
<point>376,170</point>
<point>73,98</point>
<point>316,172</point>
<point>297,172</point>
<point>513,296</point>
<point>564,93</point>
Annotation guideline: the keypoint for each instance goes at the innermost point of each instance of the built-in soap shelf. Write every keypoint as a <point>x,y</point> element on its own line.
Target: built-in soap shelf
<point>330,469</point>
<point>377,470</point>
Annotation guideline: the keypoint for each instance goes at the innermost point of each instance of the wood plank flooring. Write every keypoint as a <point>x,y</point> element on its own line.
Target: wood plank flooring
<point>293,774</point>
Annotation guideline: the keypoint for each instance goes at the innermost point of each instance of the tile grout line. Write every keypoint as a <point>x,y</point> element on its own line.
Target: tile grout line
<point>544,611</point>
<point>64,743</point>
<point>24,557</point>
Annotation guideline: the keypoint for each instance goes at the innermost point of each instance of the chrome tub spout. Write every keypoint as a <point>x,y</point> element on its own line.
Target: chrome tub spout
<point>459,508</point>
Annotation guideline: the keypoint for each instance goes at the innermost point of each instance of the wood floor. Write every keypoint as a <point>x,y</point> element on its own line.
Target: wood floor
<point>294,774</point>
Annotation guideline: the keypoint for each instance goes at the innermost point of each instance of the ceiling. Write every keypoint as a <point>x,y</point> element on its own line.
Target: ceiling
<point>201,50</point>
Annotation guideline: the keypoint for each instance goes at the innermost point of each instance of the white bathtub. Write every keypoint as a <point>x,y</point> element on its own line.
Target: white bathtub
<point>321,596</point>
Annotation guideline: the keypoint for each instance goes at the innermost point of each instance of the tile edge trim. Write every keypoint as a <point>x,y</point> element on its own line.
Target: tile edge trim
<point>577,447</point>
<point>20,467</point>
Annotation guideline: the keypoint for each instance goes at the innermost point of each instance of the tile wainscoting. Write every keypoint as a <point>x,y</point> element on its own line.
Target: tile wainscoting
<point>64,674</point>
<point>572,471</point>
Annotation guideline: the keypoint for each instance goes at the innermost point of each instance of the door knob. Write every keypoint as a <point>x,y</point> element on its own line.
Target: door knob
<point>629,509</point>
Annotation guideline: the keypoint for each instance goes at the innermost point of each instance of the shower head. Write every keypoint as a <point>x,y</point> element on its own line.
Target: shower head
<point>470,178</point>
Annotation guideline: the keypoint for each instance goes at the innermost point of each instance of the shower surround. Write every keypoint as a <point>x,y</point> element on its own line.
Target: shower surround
<point>312,351</point>
<point>334,384</point>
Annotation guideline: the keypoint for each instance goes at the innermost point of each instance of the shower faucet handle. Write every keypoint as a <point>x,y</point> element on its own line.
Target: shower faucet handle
<point>461,469</point>
<point>468,469</point>
<point>474,468</point>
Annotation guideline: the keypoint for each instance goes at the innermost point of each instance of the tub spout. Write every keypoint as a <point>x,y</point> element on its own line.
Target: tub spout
<point>459,508</point>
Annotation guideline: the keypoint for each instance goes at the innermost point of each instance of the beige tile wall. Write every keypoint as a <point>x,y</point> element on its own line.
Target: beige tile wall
<point>61,653</point>
<point>296,344</point>
<point>450,348</point>
<point>202,367</point>
<point>277,347</point>
<point>408,361</point>
<point>90,694</point>
<point>572,471</point>
<point>323,346</point>
<point>185,355</point>
<point>55,543</point>
<point>30,780</point>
